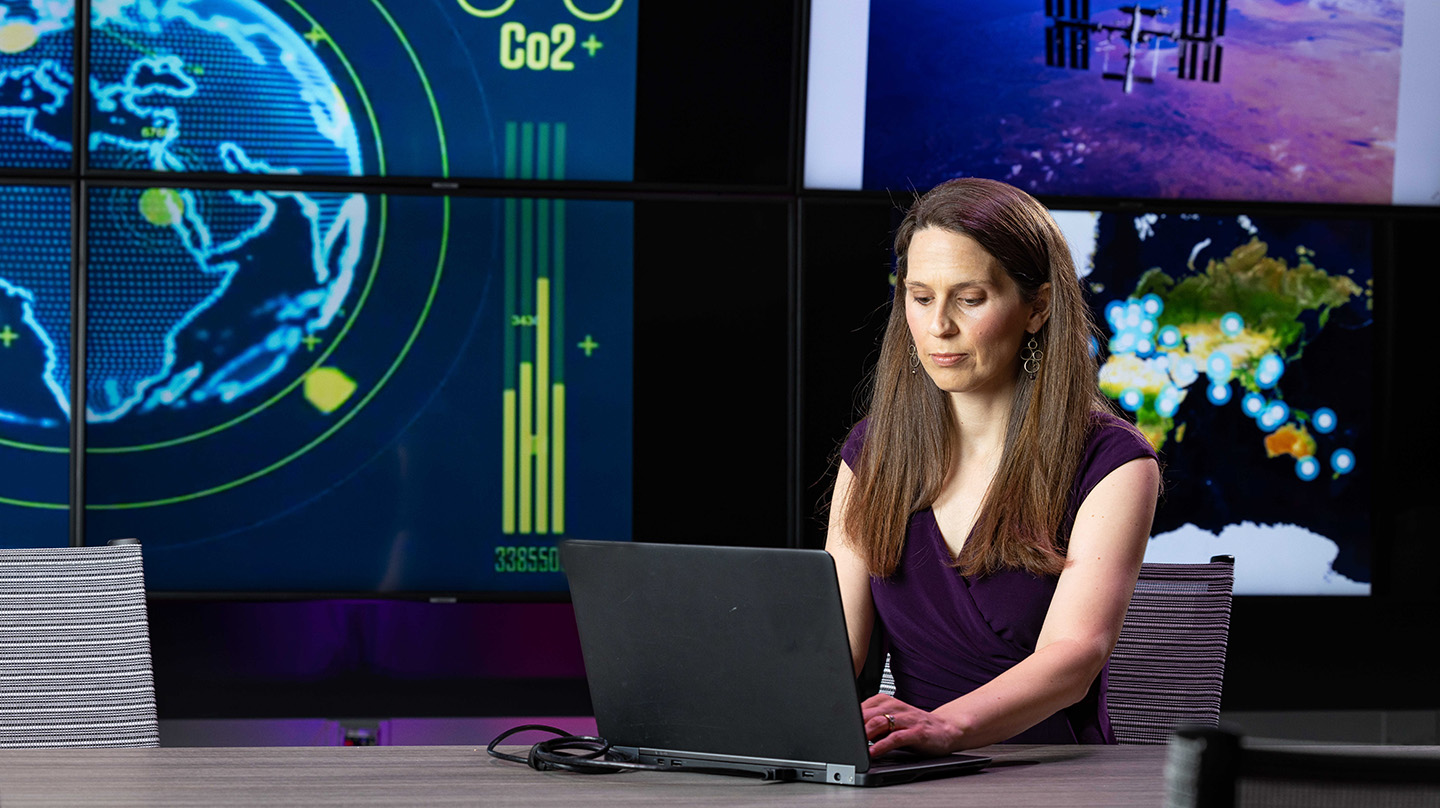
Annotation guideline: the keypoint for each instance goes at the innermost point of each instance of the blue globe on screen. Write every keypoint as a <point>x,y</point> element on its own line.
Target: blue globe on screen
<point>195,297</point>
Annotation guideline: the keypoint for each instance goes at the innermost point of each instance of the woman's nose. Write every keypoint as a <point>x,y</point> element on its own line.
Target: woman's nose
<point>942,323</point>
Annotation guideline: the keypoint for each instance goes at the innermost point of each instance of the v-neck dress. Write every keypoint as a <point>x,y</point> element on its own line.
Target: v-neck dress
<point>948,634</point>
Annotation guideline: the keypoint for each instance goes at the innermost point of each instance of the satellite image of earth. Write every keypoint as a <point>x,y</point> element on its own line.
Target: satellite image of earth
<point>1305,108</point>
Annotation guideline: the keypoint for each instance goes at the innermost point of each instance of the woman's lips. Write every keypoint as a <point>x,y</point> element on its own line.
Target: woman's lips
<point>946,360</point>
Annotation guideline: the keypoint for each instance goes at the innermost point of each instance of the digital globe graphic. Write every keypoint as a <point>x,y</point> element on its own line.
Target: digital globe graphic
<point>196,299</point>
<point>165,81</point>
<point>163,262</point>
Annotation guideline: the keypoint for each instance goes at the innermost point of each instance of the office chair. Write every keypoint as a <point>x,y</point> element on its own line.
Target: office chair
<point>75,649</point>
<point>1168,665</point>
<point>1208,767</point>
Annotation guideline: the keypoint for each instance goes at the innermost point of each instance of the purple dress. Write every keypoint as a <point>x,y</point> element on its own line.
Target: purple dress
<point>948,633</point>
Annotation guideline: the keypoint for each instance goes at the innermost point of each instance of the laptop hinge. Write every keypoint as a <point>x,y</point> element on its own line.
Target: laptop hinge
<point>839,774</point>
<point>647,754</point>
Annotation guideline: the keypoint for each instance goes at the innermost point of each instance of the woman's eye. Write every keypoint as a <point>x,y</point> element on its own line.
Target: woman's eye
<point>924,301</point>
<point>972,301</point>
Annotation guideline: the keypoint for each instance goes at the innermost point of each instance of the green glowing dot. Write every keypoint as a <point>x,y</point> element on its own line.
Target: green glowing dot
<point>162,207</point>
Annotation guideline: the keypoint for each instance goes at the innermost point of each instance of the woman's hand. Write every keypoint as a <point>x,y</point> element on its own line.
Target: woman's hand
<point>891,724</point>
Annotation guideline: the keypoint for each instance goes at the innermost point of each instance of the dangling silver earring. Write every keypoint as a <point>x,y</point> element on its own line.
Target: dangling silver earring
<point>914,359</point>
<point>1031,356</point>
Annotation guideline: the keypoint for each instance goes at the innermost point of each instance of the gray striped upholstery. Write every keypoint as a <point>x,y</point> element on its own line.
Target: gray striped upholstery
<point>75,649</point>
<point>1169,662</point>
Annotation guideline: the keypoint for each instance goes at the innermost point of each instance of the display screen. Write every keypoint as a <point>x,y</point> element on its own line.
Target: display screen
<point>343,392</point>
<point>37,84</point>
<point>35,304</point>
<point>1241,100</point>
<point>1242,346</point>
<point>376,88</point>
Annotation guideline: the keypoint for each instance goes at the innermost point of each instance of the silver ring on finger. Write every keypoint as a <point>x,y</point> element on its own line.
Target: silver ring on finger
<point>890,718</point>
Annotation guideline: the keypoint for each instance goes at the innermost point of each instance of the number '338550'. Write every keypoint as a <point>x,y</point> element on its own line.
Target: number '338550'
<point>509,558</point>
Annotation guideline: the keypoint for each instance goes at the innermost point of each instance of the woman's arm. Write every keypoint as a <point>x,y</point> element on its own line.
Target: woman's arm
<point>851,570</point>
<point>1102,563</point>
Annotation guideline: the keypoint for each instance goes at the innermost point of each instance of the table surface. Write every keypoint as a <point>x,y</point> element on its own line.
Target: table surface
<point>1112,776</point>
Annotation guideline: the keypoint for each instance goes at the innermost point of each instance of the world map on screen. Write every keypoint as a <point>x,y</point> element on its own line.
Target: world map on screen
<point>1241,347</point>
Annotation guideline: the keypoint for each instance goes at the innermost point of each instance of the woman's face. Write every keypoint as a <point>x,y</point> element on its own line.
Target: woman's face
<point>967,317</point>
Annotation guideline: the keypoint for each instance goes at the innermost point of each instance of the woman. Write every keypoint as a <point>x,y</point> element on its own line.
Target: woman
<point>990,508</point>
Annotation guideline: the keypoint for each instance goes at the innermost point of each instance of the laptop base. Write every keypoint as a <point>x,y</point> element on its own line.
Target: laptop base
<point>904,770</point>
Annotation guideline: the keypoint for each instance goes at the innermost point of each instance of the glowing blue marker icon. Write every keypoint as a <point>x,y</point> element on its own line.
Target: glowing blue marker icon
<point>1131,399</point>
<point>1231,323</point>
<point>1115,315</point>
<point>1307,468</point>
<point>1219,394</point>
<point>1324,420</point>
<point>1169,337</point>
<point>1218,368</point>
<point>1253,404</point>
<point>1184,372</point>
<point>1342,461</point>
<point>1168,401</point>
<point>1271,368</point>
<point>1153,305</point>
<point>1274,414</point>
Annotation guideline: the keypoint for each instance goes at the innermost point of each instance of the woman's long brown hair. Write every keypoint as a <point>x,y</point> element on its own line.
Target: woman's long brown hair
<point>912,439</point>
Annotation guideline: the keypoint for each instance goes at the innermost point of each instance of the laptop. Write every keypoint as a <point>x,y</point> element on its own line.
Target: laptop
<point>727,659</point>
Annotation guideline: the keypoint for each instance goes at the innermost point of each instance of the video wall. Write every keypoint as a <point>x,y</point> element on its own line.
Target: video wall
<point>365,286</point>
<point>1239,333</point>
<point>424,406</point>
<point>367,386</point>
<point>368,382</point>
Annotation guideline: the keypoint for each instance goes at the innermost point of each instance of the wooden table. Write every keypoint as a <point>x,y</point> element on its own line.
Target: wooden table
<point>1110,776</point>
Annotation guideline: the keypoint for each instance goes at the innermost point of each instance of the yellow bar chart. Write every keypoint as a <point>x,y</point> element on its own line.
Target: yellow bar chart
<point>533,394</point>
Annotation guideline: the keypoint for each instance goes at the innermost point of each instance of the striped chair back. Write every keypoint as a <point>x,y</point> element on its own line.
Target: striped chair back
<point>75,649</point>
<point>1169,663</point>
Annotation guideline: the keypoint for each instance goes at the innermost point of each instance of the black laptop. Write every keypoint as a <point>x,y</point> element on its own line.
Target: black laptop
<point>727,659</point>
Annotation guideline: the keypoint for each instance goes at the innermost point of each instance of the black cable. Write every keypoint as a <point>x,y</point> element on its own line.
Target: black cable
<point>552,754</point>
<point>593,756</point>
